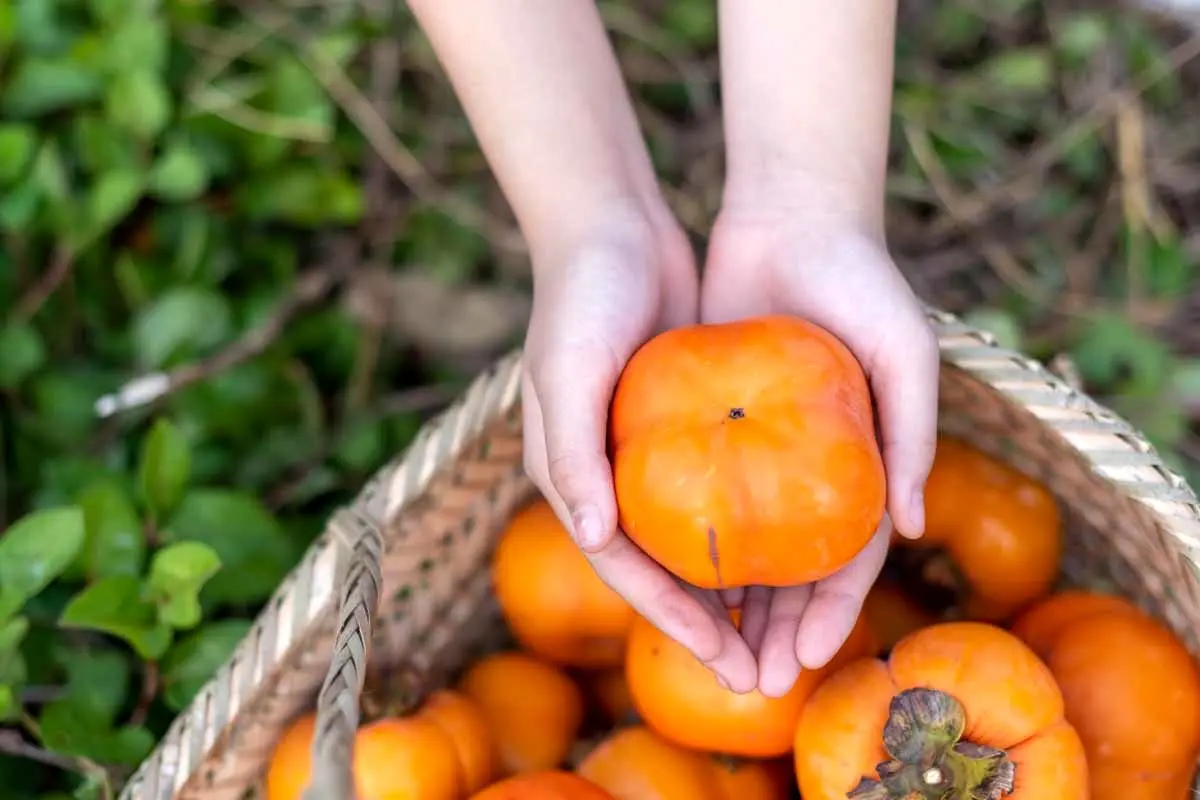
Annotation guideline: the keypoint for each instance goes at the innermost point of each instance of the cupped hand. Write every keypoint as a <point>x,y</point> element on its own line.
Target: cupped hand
<point>796,256</point>
<point>596,300</point>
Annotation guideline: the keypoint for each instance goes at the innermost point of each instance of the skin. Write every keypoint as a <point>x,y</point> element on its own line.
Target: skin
<point>807,98</point>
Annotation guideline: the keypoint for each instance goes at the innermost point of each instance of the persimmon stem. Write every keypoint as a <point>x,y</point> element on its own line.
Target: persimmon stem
<point>929,760</point>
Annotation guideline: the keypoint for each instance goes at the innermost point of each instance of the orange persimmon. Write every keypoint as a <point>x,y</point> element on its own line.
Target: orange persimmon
<point>544,785</point>
<point>441,751</point>
<point>553,601</point>
<point>891,614</point>
<point>679,697</point>
<point>1129,686</point>
<point>608,691</point>
<point>751,779</point>
<point>1000,530</point>
<point>463,720</point>
<point>635,763</point>
<point>533,709</point>
<point>959,710</point>
<point>744,453</point>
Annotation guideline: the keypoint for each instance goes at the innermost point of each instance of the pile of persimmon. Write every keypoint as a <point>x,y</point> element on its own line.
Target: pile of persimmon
<point>745,454</point>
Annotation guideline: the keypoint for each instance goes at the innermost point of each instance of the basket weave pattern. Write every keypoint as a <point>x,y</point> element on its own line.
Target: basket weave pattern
<point>405,567</point>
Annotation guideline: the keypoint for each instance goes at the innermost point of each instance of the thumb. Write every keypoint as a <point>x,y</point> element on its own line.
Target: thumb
<point>574,390</point>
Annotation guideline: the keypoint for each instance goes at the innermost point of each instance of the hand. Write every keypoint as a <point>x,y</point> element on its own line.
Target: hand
<point>792,254</point>
<point>595,301</point>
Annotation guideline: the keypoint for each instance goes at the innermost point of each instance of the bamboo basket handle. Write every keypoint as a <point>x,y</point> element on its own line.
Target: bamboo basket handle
<point>337,704</point>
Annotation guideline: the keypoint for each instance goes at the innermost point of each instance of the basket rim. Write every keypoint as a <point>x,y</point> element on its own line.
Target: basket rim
<point>1111,447</point>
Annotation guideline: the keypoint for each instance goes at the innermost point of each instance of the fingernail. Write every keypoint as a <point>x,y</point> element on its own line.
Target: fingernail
<point>589,530</point>
<point>916,513</point>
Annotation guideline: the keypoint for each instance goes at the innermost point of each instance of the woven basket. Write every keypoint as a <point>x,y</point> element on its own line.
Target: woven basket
<point>404,568</point>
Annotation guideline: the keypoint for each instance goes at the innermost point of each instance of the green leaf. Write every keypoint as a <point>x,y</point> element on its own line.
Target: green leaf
<point>10,707</point>
<point>116,606</point>
<point>999,323</point>
<point>18,143</point>
<point>39,85</point>
<point>294,93</point>
<point>695,23</point>
<point>1020,71</point>
<point>50,173</point>
<point>177,574</point>
<point>179,174</point>
<point>13,670</point>
<point>1169,272</point>
<point>361,446</point>
<point>193,661</point>
<point>41,27</point>
<point>34,551</point>
<point>164,469</point>
<point>71,729</point>
<point>140,102</point>
<point>97,680</point>
<point>1119,358</point>
<point>18,206</point>
<point>1185,382</point>
<point>102,146</point>
<point>21,354</point>
<point>302,194</point>
<point>8,25</point>
<point>116,544</point>
<point>1081,35</point>
<point>185,321</point>
<point>112,198</point>
<point>254,551</point>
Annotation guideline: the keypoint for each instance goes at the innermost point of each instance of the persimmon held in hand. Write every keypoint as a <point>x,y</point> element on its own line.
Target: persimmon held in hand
<point>533,709</point>
<point>544,785</point>
<point>959,711</point>
<point>1129,686</point>
<point>553,601</point>
<point>679,697</point>
<point>744,453</point>
<point>1000,532</point>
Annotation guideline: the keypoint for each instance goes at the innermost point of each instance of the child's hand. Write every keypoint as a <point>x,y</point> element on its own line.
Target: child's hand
<point>794,256</point>
<point>595,302</point>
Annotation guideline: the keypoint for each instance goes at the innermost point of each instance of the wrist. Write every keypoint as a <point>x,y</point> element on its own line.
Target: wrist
<point>794,190</point>
<point>638,217</point>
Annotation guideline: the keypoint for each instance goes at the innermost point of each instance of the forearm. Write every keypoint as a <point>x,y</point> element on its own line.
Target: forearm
<point>807,88</point>
<point>541,87</point>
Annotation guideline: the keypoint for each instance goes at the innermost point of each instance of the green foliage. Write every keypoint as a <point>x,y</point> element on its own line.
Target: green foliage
<point>179,196</point>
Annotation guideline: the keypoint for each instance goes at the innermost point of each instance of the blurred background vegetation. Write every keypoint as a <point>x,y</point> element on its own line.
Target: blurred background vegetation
<point>270,223</point>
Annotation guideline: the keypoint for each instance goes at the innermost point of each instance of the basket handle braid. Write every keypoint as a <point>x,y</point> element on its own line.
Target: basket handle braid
<point>338,703</point>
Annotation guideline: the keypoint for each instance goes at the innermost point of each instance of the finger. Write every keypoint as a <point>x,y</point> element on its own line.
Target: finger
<point>904,380</point>
<point>574,389</point>
<point>733,598</point>
<point>778,664</point>
<point>734,666</point>
<point>534,439</point>
<point>755,607</point>
<point>837,601</point>
<point>657,596</point>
